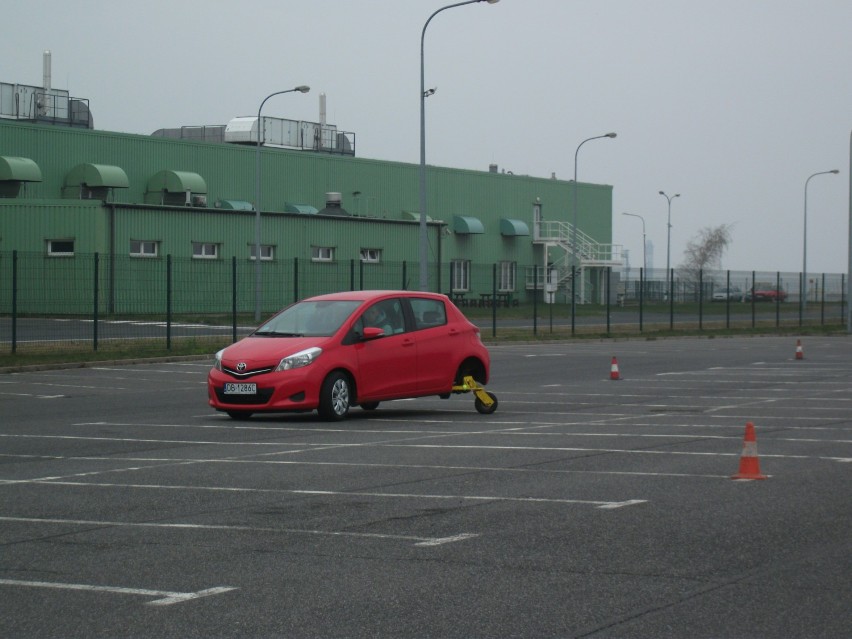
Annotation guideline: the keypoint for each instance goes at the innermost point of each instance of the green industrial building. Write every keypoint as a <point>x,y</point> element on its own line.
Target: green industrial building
<point>328,219</point>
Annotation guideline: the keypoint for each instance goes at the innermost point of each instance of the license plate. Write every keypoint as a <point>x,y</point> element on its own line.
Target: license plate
<point>240,389</point>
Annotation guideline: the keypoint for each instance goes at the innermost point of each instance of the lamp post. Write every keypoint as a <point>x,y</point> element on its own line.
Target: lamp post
<point>644,263</point>
<point>669,238</point>
<point>804,290</point>
<point>257,207</point>
<point>574,229</point>
<point>424,239</point>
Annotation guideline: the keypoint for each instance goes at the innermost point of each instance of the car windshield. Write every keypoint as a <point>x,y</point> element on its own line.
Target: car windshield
<point>308,319</point>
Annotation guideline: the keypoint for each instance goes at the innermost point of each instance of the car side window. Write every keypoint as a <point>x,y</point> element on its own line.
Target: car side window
<point>386,315</point>
<point>428,313</point>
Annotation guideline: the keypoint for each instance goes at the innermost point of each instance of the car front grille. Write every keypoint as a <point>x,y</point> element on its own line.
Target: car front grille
<point>246,374</point>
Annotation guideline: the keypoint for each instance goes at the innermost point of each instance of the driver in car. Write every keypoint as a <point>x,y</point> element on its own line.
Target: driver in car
<point>376,317</point>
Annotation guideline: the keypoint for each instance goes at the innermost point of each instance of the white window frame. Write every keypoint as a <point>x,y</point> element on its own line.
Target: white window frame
<point>461,276</point>
<point>205,251</point>
<point>144,248</point>
<point>507,277</point>
<point>371,255</point>
<point>267,252</point>
<point>322,253</point>
<point>52,252</point>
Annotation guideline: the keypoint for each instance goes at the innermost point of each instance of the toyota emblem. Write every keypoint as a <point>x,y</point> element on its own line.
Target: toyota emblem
<point>241,367</point>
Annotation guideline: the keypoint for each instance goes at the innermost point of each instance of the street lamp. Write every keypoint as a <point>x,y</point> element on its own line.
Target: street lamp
<point>644,263</point>
<point>804,290</point>
<point>424,240</point>
<point>669,237</point>
<point>574,229</point>
<point>257,207</point>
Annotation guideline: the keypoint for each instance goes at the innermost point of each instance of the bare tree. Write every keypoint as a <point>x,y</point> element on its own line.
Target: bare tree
<point>705,250</point>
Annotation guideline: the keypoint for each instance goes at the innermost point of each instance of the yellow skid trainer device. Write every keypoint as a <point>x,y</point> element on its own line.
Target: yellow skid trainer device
<point>486,402</point>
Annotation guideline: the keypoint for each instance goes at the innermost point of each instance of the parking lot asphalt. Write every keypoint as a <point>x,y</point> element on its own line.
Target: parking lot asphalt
<point>586,506</point>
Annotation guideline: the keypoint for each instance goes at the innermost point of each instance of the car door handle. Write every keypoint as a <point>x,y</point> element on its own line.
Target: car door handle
<point>407,342</point>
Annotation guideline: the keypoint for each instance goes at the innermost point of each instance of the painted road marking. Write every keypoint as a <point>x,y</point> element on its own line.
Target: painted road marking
<point>419,540</point>
<point>166,597</point>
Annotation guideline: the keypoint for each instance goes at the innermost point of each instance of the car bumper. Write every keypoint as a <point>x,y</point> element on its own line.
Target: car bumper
<point>284,391</point>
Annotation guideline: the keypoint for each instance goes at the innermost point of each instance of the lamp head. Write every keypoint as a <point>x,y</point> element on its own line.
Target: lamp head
<point>610,135</point>
<point>835,171</point>
<point>302,88</point>
<point>491,1</point>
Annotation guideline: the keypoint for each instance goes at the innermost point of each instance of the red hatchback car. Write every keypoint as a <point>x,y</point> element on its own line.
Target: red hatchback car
<point>331,352</point>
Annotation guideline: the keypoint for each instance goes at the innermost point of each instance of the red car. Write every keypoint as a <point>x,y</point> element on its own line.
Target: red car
<point>332,352</point>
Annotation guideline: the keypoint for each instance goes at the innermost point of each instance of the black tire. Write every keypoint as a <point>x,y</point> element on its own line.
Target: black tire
<point>370,405</point>
<point>239,415</point>
<point>335,397</point>
<point>482,408</point>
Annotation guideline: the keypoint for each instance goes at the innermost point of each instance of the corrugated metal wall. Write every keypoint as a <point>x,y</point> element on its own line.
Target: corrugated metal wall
<point>380,191</point>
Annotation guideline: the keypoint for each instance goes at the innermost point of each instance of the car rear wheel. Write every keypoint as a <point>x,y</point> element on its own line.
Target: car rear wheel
<point>335,396</point>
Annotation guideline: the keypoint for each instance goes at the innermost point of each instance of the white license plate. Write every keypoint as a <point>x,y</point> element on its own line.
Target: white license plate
<point>240,389</point>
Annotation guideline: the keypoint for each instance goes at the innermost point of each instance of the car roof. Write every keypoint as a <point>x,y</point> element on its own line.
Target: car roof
<point>363,296</point>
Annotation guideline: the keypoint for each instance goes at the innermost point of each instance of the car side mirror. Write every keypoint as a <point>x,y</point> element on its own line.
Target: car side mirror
<point>372,332</point>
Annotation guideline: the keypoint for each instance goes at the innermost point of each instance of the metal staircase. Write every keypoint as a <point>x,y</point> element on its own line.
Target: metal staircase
<point>587,254</point>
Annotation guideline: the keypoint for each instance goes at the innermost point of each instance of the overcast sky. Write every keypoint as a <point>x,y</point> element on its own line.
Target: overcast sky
<point>731,103</point>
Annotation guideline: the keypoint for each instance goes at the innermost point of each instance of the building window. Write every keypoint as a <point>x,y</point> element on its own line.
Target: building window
<point>267,252</point>
<point>371,256</point>
<point>506,283</point>
<point>461,275</point>
<point>60,248</point>
<point>143,248</point>
<point>322,253</point>
<point>205,250</point>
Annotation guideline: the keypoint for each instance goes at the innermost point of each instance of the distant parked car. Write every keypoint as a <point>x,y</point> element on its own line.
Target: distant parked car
<point>766,294</point>
<point>331,352</point>
<point>734,294</point>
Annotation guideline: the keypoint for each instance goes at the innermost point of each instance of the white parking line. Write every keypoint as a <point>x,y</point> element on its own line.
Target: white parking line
<point>420,540</point>
<point>231,489</point>
<point>167,598</point>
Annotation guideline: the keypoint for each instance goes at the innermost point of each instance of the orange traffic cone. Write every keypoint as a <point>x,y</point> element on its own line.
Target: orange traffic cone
<point>800,354</point>
<point>613,370</point>
<point>749,464</point>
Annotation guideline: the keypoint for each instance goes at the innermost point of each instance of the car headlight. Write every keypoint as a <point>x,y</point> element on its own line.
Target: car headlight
<point>300,359</point>
<point>217,363</point>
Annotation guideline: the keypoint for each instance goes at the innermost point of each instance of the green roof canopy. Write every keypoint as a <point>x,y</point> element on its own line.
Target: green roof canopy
<point>18,170</point>
<point>289,207</point>
<point>177,182</point>
<point>414,215</point>
<point>234,205</point>
<point>510,227</point>
<point>97,175</point>
<point>465,224</point>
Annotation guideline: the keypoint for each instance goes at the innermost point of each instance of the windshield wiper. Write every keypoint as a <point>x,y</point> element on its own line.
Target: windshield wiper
<point>277,334</point>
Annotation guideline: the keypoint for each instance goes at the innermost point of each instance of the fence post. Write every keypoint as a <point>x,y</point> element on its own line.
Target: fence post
<point>728,299</point>
<point>608,284</point>
<point>753,287</point>
<point>778,299</point>
<point>361,274</point>
<point>233,298</point>
<point>169,301</point>
<point>701,299</point>
<point>352,275</point>
<point>14,301</point>
<point>802,294</point>
<point>95,299</point>
<point>641,295</point>
<point>573,285</point>
<point>822,303</point>
<point>494,300</point>
<point>405,275</point>
<point>295,279</point>
<point>671,299</point>
<point>535,300</point>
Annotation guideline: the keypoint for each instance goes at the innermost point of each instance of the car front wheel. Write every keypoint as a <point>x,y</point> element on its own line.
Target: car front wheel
<point>335,397</point>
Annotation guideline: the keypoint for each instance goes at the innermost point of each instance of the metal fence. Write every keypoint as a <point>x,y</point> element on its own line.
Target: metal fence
<point>89,301</point>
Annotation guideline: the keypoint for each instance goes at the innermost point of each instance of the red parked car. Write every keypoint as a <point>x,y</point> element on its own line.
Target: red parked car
<point>766,294</point>
<point>331,352</point>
